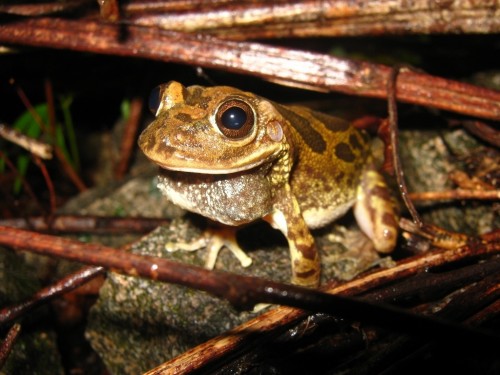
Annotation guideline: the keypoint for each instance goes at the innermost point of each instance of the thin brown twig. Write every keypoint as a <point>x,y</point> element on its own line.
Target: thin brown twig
<point>8,343</point>
<point>129,137</point>
<point>455,194</point>
<point>86,224</point>
<point>34,9</point>
<point>65,285</point>
<point>483,131</point>
<point>49,96</point>
<point>69,170</point>
<point>25,183</point>
<point>393,131</point>
<point>48,182</point>
<point>27,103</point>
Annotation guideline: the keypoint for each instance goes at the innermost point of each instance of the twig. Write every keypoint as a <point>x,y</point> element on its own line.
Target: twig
<point>6,346</point>
<point>49,96</point>
<point>455,194</point>
<point>38,148</point>
<point>69,170</point>
<point>68,283</point>
<point>48,182</point>
<point>86,224</point>
<point>260,19</point>
<point>25,183</point>
<point>393,132</point>
<point>291,67</point>
<point>43,9</point>
<point>129,137</point>
<point>483,131</point>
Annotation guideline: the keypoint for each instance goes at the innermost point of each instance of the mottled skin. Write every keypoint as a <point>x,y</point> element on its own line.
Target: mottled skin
<point>295,168</point>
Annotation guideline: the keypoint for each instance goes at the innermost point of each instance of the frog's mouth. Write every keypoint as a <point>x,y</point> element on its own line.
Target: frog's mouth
<point>183,164</point>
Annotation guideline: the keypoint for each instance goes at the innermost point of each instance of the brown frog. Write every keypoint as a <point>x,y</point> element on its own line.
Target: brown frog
<point>236,157</point>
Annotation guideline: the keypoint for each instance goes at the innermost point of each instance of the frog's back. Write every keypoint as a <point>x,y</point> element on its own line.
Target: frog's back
<point>331,155</point>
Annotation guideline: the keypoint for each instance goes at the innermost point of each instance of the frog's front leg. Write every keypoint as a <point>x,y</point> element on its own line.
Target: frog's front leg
<point>214,239</point>
<point>376,210</point>
<point>287,217</point>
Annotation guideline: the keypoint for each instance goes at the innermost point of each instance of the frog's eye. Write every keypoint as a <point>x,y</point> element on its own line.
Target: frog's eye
<point>155,100</point>
<point>235,118</point>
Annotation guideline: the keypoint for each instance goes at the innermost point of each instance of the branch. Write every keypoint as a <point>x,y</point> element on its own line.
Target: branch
<point>65,285</point>
<point>455,194</point>
<point>86,224</point>
<point>7,344</point>
<point>258,19</point>
<point>36,147</point>
<point>291,67</point>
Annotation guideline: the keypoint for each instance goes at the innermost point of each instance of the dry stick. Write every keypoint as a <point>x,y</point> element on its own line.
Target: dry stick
<point>31,110</point>
<point>40,149</point>
<point>485,132</point>
<point>455,194</point>
<point>485,315</point>
<point>393,131</point>
<point>25,183</point>
<point>291,67</point>
<point>316,18</point>
<point>69,170</point>
<point>49,96</point>
<point>129,137</point>
<point>43,9</point>
<point>86,224</point>
<point>48,182</point>
<point>241,291</point>
<point>65,285</point>
<point>6,346</point>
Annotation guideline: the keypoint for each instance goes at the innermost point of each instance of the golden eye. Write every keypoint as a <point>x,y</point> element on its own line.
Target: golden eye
<point>235,119</point>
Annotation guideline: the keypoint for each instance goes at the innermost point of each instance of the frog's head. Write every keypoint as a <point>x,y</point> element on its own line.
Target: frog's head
<point>211,130</point>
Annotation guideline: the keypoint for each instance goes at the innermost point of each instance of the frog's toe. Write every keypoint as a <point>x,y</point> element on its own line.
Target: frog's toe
<point>224,237</point>
<point>197,244</point>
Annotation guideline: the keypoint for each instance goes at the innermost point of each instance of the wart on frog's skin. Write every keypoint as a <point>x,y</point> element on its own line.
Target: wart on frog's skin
<point>235,157</point>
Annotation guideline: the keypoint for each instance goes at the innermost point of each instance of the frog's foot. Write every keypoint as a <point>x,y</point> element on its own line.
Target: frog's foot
<point>214,239</point>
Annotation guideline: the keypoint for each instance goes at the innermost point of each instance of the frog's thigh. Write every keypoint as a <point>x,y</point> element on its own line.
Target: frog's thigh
<point>376,211</point>
<point>304,257</point>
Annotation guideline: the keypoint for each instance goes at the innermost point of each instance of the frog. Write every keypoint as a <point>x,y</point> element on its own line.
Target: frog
<point>236,157</point>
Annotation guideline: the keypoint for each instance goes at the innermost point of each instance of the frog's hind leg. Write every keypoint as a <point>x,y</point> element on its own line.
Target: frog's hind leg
<point>376,210</point>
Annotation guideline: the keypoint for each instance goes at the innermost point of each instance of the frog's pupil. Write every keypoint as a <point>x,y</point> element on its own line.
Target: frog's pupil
<point>154,100</point>
<point>234,118</point>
